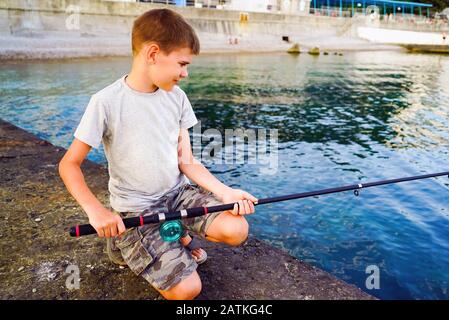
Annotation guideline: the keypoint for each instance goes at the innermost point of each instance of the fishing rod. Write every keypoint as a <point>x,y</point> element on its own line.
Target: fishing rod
<point>171,228</point>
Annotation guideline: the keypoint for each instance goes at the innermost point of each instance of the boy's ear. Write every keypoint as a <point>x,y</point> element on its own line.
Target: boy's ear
<point>150,52</point>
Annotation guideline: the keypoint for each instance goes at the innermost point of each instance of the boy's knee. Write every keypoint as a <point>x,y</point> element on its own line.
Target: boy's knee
<point>236,233</point>
<point>182,294</point>
<point>187,289</point>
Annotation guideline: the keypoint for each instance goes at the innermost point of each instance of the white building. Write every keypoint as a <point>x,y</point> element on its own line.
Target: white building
<point>251,6</point>
<point>275,6</point>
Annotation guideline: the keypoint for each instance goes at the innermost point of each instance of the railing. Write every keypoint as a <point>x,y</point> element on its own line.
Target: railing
<point>399,21</point>
<point>431,25</point>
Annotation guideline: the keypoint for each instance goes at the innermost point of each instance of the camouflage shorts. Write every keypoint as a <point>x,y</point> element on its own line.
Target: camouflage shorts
<point>164,264</point>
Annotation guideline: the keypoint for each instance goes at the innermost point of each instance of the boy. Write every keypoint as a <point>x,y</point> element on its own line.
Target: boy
<point>143,120</point>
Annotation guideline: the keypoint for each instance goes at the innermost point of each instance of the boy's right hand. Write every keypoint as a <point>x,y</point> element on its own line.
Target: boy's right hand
<point>106,223</point>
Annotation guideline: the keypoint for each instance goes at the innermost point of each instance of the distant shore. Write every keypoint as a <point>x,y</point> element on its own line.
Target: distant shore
<point>44,47</point>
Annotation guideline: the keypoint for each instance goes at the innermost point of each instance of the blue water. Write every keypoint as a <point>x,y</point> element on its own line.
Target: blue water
<point>341,119</point>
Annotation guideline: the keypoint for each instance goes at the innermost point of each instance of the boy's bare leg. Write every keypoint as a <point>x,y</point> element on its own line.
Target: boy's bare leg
<point>187,289</point>
<point>228,228</point>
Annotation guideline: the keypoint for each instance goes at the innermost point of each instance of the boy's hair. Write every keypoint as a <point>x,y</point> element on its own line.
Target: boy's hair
<point>166,28</point>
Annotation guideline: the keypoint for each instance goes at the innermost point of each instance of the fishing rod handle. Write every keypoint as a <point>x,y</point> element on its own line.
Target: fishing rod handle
<point>86,229</point>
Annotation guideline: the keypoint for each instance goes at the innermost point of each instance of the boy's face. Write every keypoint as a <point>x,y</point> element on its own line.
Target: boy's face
<point>169,69</point>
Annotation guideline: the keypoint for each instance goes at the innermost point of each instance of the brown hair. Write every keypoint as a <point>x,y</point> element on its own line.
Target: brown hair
<point>166,28</point>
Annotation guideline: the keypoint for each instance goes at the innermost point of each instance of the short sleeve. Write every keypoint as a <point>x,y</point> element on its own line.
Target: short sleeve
<point>188,118</point>
<point>93,124</point>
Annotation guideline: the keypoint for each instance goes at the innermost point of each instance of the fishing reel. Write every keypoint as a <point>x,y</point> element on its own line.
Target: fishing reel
<point>171,230</point>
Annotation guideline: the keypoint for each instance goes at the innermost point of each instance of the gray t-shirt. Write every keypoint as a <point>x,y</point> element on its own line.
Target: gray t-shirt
<point>140,133</point>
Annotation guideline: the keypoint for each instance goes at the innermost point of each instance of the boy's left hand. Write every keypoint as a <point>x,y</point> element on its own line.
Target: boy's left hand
<point>244,201</point>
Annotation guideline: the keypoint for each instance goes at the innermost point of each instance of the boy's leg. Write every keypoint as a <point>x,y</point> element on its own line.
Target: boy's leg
<point>218,226</point>
<point>187,289</point>
<point>228,228</point>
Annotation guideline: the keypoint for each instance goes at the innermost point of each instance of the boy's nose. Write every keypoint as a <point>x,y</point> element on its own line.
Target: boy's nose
<point>184,74</point>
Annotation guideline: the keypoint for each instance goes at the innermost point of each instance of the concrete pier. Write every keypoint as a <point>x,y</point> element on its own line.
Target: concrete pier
<point>37,252</point>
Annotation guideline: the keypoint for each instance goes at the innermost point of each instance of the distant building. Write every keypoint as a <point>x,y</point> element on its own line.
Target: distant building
<point>251,6</point>
<point>275,6</point>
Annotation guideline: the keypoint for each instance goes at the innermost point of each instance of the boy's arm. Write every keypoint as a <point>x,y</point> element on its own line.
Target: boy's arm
<point>199,174</point>
<point>105,222</point>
